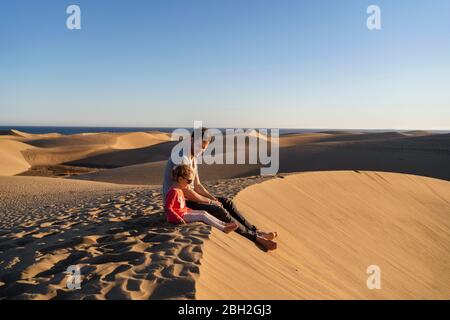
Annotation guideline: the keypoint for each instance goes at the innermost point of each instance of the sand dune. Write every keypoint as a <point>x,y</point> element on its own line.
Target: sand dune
<point>290,140</point>
<point>417,133</point>
<point>113,140</point>
<point>152,173</point>
<point>342,136</point>
<point>129,157</point>
<point>420,155</point>
<point>25,135</point>
<point>426,155</point>
<point>332,226</point>
<point>136,140</point>
<point>63,154</point>
<point>372,136</point>
<point>12,160</point>
<point>24,150</point>
<point>145,173</point>
<point>122,155</point>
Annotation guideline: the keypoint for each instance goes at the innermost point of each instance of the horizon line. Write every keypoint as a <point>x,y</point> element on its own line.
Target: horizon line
<point>211,127</point>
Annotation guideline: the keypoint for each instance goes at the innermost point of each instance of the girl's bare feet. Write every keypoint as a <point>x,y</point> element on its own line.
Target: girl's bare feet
<point>266,244</point>
<point>230,227</point>
<point>267,235</point>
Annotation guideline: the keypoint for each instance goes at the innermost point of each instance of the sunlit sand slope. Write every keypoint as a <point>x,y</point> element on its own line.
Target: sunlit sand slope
<point>332,226</point>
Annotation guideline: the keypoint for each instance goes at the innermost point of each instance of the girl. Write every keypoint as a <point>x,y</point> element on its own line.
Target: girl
<point>175,205</point>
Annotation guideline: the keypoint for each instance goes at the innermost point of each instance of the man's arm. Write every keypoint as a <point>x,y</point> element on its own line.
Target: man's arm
<point>192,195</point>
<point>201,190</point>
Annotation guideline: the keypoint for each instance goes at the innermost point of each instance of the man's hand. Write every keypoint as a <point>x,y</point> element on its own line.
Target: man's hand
<point>216,203</point>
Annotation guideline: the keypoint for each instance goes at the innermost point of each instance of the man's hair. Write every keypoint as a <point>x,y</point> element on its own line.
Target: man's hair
<point>181,171</point>
<point>205,135</point>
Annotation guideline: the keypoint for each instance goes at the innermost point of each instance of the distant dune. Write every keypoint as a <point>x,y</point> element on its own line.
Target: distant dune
<point>12,161</point>
<point>390,152</point>
<point>25,135</point>
<point>138,157</point>
<point>24,150</point>
<point>332,226</point>
<point>417,133</point>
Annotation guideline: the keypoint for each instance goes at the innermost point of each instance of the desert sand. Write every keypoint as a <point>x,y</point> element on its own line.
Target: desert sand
<point>332,226</point>
<point>116,234</point>
<point>94,200</point>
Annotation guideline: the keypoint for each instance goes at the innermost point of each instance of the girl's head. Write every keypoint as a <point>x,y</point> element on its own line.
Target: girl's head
<point>183,175</point>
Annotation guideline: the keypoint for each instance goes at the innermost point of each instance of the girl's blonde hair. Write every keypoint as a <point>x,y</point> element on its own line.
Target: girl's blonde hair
<point>182,171</point>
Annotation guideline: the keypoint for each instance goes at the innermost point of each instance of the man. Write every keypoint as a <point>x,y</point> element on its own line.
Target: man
<point>199,198</point>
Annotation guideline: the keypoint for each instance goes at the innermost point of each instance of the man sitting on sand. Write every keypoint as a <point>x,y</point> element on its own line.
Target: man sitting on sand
<point>198,198</point>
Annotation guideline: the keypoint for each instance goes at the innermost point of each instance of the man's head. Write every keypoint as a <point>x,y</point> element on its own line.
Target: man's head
<point>200,140</point>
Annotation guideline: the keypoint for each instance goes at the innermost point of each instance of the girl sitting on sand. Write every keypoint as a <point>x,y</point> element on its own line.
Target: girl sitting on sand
<point>175,204</point>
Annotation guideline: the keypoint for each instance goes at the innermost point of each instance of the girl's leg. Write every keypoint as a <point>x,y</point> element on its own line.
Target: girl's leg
<point>203,216</point>
<point>213,221</point>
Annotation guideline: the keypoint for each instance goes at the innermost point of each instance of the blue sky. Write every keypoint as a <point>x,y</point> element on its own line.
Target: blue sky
<point>230,63</point>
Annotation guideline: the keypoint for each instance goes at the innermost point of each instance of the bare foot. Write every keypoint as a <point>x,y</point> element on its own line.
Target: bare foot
<point>268,235</point>
<point>230,227</point>
<point>267,244</point>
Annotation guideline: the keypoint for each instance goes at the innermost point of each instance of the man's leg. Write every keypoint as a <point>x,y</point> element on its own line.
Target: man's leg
<point>222,214</point>
<point>231,208</point>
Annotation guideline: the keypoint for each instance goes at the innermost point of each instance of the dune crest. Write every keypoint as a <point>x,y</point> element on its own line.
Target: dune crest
<point>332,226</point>
<point>12,160</point>
<point>26,135</point>
<point>136,140</point>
